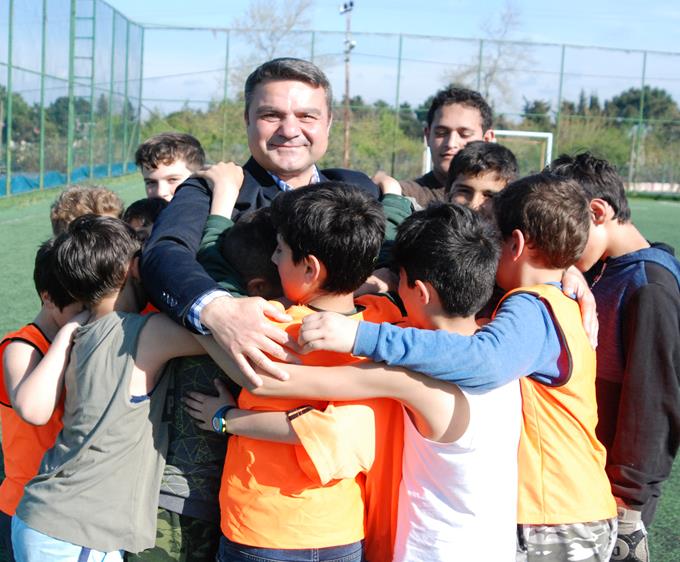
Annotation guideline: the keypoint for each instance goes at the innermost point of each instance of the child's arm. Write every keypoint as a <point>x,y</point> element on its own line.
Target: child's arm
<point>397,208</point>
<point>267,426</point>
<point>35,384</point>
<point>226,180</point>
<point>522,340</point>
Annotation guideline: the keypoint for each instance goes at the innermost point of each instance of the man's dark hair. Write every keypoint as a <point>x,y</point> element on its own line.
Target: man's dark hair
<point>92,257</point>
<point>455,250</point>
<point>45,278</point>
<point>479,157</point>
<point>167,148</point>
<point>287,68</point>
<point>462,96</point>
<point>598,178</point>
<point>145,210</point>
<point>248,246</point>
<point>551,212</point>
<point>338,224</point>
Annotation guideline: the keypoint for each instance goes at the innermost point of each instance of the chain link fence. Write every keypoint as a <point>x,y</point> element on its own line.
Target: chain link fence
<point>70,85</point>
<point>83,84</point>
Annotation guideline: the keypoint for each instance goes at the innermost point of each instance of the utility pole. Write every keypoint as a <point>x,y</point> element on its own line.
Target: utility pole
<point>346,9</point>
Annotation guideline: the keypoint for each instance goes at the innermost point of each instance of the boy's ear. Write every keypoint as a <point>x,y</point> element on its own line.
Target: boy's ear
<point>133,270</point>
<point>600,211</point>
<point>489,136</point>
<point>259,287</point>
<point>519,244</point>
<point>314,269</point>
<point>424,292</point>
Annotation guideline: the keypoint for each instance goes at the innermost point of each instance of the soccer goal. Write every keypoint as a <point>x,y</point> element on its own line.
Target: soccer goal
<point>533,149</point>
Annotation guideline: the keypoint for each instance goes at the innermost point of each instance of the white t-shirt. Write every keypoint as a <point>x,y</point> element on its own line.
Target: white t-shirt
<point>458,501</point>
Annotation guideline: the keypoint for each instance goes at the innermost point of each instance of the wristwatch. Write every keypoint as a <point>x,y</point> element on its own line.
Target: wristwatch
<point>219,420</point>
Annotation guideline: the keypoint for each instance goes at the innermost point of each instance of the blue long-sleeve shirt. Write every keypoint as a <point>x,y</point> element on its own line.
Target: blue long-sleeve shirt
<point>521,340</point>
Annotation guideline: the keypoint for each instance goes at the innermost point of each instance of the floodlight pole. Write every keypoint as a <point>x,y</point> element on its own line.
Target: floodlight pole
<point>346,9</point>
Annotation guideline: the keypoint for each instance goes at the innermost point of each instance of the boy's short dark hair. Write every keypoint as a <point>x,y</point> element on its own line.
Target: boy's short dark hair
<point>167,148</point>
<point>551,212</point>
<point>598,178</point>
<point>462,96</point>
<point>93,256</point>
<point>287,68</point>
<point>479,157</point>
<point>248,246</point>
<point>45,278</point>
<point>145,210</point>
<point>81,200</point>
<point>336,222</point>
<point>455,250</point>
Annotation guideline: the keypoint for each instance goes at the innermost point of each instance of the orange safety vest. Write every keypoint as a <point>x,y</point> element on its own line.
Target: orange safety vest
<point>23,444</point>
<point>562,478</point>
<point>269,497</point>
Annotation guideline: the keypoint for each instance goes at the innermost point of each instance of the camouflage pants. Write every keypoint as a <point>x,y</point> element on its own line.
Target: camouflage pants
<point>582,542</point>
<point>181,539</point>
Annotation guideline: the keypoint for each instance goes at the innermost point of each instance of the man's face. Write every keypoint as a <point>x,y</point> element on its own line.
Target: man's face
<point>453,126</point>
<point>164,180</point>
<point>477,192</point>
<point>288,125</point>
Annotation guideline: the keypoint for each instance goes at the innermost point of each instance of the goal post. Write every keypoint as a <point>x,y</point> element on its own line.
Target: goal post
<point>533,149</point>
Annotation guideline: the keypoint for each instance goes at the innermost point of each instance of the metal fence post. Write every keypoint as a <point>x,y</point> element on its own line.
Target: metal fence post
<point>396,106</point>
<point>126,148</point>
<point>92,131</point>
<point>8,130</point>
<point>224,97</point>
<point>558,119</point>
<point>312,47</point>
<point>109,133</point>
<point>641,116</point>
<point>43,67</point>
<point>141,84</point>
<point>71,92</point>
<point>479,65</point>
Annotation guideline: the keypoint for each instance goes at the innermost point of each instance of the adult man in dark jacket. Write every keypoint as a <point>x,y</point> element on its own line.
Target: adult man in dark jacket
<point>288,119</point>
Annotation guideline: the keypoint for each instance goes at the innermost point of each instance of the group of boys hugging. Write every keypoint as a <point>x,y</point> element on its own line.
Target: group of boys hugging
<point>299,364</point>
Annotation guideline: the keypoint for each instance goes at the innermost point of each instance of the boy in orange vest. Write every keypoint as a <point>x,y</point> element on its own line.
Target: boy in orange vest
<point>565,506</point>
<point>276,499</point>
<point>23,444</point>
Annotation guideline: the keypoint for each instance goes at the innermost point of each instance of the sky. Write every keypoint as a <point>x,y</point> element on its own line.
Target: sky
<point>630,24</point>
<point>428,64</point>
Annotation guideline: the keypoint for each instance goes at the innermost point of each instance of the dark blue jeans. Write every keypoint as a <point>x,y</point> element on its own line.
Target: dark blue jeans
<point>233,552</point>
<point>6,535</point>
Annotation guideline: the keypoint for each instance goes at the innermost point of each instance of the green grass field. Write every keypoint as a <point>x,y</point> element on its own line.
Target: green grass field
<point>24,224</point>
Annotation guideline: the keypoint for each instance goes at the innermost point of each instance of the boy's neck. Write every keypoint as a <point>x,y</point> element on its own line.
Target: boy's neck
<point>623,238</point>
<point>343,304</point>
<point>464,325</point>
<point>125,300</point>
<point>47,324</point>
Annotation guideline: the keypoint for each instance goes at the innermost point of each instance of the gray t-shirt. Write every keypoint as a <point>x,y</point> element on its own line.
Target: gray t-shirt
<point>98,486</point>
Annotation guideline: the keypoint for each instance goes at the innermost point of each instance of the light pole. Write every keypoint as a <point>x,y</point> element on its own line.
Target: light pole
<point>346,9</point>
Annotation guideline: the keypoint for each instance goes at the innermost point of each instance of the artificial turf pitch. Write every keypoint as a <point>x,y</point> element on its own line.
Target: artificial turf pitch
<point>24,224</point>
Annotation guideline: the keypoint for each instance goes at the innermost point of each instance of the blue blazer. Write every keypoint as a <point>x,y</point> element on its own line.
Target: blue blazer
<point>170,273</point>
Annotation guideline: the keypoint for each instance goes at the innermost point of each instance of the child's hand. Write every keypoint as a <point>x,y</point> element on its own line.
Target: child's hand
<point>226,179</point>
<point>381,280</point>
<point>329,331</point>
<point>222,175</point>
<point>202,407</point>
<point>67,330</point>
<point>387,184</point>
<point>573,283</point>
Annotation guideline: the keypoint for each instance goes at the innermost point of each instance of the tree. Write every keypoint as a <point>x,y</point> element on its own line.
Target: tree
<point>658,104</point>
<point>537,114</point>
<point>501,59</point>
<point>270,28</point>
